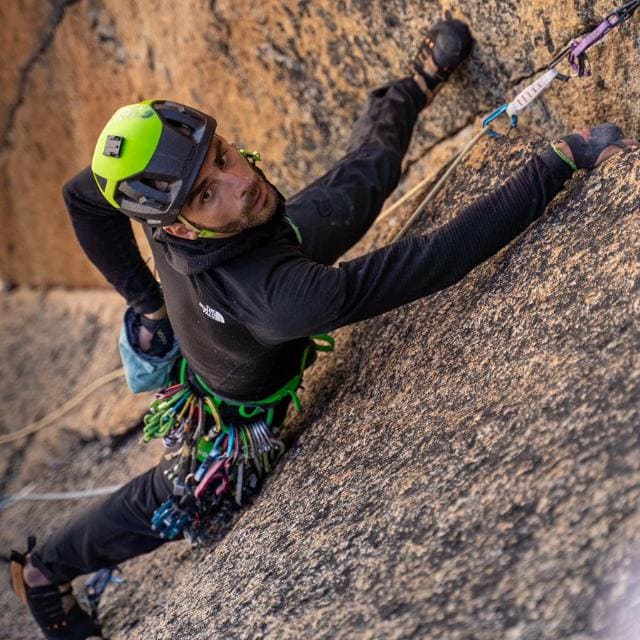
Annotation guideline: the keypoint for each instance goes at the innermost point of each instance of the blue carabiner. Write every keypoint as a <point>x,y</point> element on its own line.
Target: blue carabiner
<point>494,116</point>
<point>231,441</point>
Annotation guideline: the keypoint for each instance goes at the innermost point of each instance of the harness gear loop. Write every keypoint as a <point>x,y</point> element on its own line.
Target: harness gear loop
<point>227,459</point>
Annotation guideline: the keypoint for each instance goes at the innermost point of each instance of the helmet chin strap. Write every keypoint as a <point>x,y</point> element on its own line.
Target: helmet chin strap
<point>201,231</point>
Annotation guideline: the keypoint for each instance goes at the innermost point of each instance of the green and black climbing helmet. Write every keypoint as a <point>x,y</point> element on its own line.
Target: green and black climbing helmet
<point>147,145</point>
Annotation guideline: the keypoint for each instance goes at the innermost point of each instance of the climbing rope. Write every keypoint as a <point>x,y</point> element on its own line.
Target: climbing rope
<point>66,407</point>
<point>27,494</point>
<point>417,188</point>
<point>436,188</point>
<point>575,53</point>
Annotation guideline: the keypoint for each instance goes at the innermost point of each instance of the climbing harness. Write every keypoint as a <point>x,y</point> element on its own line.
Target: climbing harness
<point>575,53</point>
<point>222,448</point>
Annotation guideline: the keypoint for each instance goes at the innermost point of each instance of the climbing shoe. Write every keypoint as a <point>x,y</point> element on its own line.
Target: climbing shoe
<point>447,44</point>
<point>54,608</point>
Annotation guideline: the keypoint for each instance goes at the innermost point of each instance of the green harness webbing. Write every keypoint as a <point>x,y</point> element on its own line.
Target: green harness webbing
<point>212,462</point>
<point>171,408</point>
<point>250,409</point>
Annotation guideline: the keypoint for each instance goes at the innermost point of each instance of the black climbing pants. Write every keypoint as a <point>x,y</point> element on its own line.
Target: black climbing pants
<point>350,196</point>
<point>119,528</point>
<point>115,530</point>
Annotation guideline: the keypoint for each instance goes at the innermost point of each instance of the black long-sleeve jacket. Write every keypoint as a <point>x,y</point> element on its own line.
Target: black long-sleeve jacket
<point>242,307</point>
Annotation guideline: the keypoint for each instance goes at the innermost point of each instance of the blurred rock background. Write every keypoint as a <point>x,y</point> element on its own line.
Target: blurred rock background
<point>287,78</point>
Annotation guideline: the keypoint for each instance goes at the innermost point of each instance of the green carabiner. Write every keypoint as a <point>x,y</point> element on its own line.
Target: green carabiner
<point>323,342</point>
<point>246,411</point>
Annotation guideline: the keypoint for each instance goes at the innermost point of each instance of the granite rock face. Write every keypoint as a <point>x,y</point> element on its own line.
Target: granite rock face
<point>286,78</point>
<point>53,345</point>
<point>468,466</point>
<point>464,467</point>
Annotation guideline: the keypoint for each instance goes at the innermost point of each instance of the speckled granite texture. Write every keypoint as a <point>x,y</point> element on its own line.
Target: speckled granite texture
<point>465,467</point>
<point>470,465</point>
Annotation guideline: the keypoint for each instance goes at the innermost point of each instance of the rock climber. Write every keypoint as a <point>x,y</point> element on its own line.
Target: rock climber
<point>247,277</point>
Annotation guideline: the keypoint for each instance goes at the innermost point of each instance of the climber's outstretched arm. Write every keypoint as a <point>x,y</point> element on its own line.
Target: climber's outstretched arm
<point>305,297</point>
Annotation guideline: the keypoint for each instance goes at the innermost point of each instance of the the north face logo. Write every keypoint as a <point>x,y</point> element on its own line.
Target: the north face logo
<point>212,313</point>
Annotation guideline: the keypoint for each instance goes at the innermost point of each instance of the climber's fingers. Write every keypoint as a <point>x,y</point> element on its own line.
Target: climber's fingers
<point>611,150</point>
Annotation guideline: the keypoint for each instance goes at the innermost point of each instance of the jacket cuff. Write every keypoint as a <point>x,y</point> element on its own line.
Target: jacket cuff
<point>557,167</point>
<point>150,303</point>
<point>413,88</point>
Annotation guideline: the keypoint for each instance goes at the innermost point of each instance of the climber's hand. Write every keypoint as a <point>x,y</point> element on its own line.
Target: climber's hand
<point>155,335</point>
<point>589,148</point>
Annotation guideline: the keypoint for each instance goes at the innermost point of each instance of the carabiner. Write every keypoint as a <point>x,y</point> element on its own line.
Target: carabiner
<point>494,116</point>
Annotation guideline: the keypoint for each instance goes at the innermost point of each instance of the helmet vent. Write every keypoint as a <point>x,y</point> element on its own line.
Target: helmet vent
<point>183,129</point>
<point>184,121</point>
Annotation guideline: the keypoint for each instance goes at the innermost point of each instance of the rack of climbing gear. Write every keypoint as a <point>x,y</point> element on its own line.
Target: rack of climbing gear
<point>221,448</point>
<point>575,53</point>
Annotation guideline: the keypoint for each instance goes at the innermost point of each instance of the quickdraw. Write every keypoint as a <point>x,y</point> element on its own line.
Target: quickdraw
<point>576,54</point>
<point>216,457</point>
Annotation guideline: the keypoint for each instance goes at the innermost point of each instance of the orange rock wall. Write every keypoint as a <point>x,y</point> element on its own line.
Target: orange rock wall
<point>287,78</point>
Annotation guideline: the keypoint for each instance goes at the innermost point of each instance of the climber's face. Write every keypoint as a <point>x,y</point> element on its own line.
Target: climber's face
<point>228,194</point>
